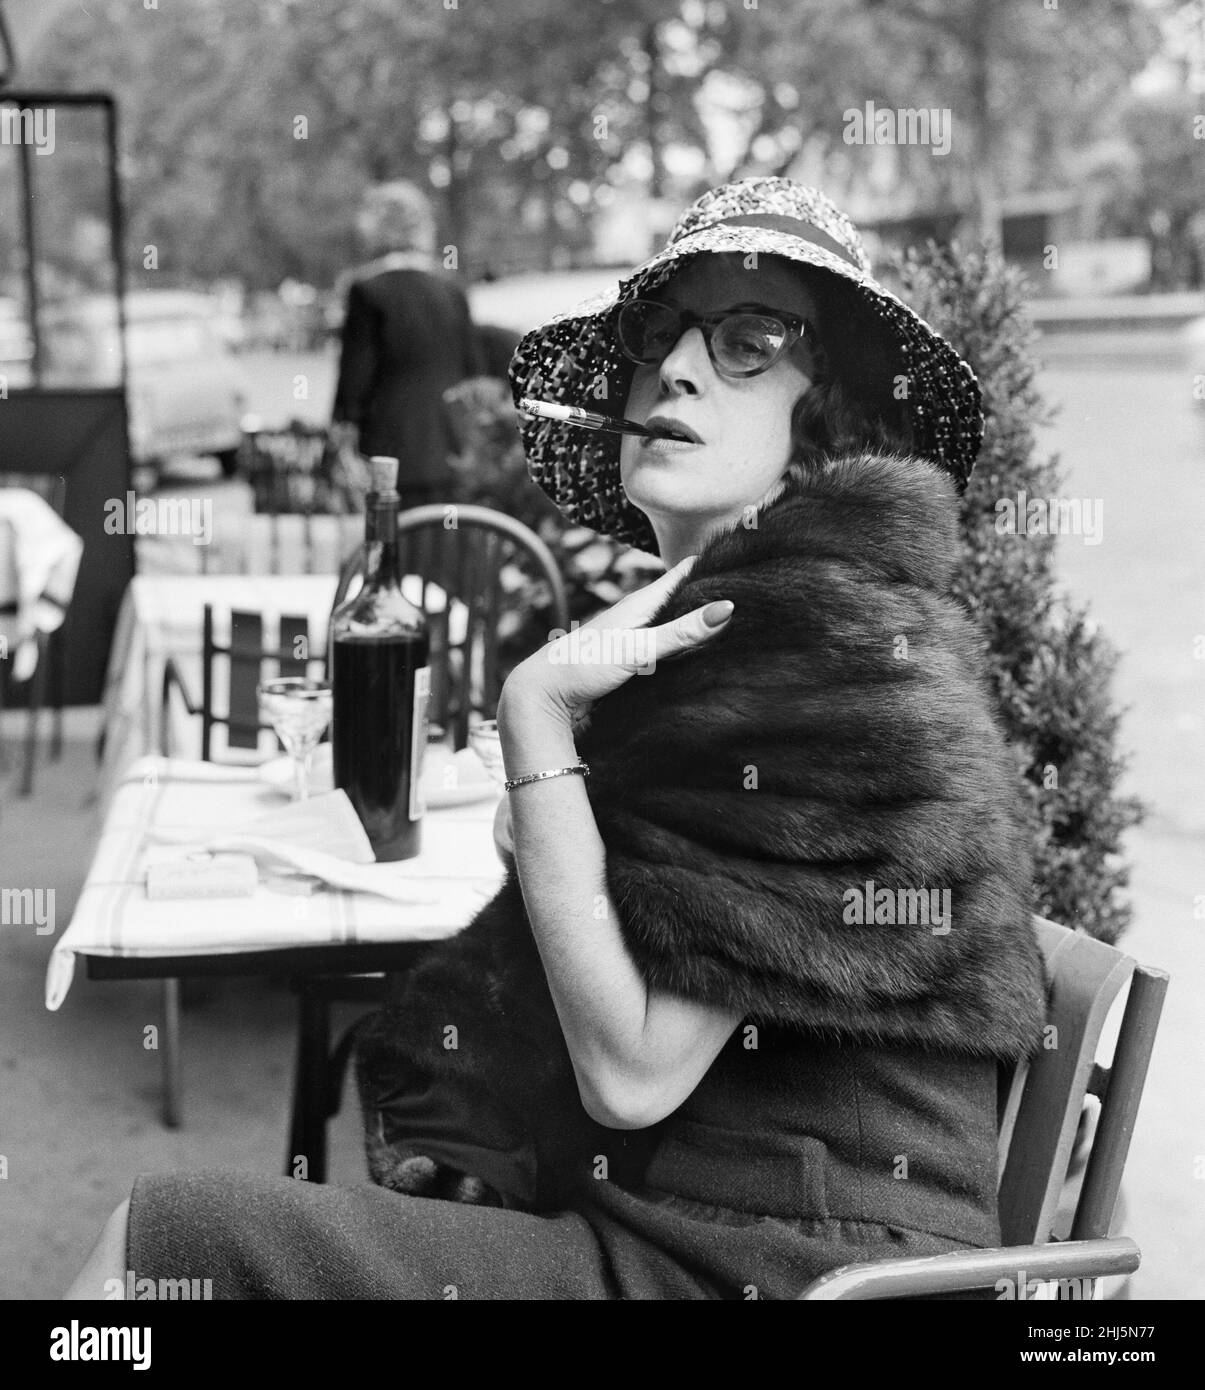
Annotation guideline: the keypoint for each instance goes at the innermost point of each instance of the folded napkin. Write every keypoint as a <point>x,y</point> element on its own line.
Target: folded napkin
<point>321,837</point>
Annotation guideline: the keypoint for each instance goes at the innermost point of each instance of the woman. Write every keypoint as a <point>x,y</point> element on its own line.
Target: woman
<point>779,939</point>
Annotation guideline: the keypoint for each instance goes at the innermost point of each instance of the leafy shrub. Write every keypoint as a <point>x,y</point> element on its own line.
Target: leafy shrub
<point>1050,666</point>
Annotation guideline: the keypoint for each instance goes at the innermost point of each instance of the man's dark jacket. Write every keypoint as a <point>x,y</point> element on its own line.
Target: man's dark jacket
<point>407,337</point>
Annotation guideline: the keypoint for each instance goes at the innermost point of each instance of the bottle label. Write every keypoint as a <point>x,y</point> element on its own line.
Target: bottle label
<point>418,741</point>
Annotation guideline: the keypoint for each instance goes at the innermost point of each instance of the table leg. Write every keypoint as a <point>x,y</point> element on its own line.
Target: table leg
<point>307,1132</point>
<point>169,1047</point>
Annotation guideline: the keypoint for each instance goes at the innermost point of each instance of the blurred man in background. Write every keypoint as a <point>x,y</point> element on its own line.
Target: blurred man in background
<point>407,336</point>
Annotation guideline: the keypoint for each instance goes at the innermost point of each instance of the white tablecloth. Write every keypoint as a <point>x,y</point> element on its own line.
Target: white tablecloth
<point>459,867</point>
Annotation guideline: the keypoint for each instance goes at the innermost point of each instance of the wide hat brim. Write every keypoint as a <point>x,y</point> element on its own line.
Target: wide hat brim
<point>575,359</point>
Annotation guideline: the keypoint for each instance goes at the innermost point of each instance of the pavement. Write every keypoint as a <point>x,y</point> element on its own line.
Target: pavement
<point>79,1091</point>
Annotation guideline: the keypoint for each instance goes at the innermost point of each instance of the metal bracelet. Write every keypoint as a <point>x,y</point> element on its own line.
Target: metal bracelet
<point>579,767</point>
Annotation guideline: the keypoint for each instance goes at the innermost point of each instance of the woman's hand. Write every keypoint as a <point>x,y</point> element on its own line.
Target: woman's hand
<point>566,676</point>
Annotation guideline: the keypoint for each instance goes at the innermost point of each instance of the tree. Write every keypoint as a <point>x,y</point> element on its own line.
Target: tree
<point>250,130</point>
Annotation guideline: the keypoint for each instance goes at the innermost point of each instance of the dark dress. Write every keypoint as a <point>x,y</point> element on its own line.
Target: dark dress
<point>407,337</point>
<point>790,1158</point>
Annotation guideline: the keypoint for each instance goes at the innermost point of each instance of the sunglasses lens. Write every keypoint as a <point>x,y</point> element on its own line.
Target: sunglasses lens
<point>747,343</point>
<point>740,344</point>
<point>647,331</point>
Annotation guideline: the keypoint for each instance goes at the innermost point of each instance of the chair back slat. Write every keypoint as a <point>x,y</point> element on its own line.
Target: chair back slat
<point>497,555</point>
<point>10,579</point>
<point>1119,1104</point>
<point>208,652</point>
<point>246,659</point>
<point>1043,1109</point>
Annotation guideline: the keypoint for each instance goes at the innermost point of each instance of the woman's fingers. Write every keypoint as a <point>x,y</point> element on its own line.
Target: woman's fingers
<point>634,610</point>
<point>691,629</point>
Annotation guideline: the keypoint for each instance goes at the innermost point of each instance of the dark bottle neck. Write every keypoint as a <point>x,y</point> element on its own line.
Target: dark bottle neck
<point>380,532</point>
<point>370,517</point>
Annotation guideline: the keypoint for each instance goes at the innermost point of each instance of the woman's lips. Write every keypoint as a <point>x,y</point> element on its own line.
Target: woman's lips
<point>668,427</point>
<point>662,444</point>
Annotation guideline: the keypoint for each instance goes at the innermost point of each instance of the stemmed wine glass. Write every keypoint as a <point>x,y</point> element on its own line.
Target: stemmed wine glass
<point>299,709</point>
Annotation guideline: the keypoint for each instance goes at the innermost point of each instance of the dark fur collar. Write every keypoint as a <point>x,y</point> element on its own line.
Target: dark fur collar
<point>837,734</point>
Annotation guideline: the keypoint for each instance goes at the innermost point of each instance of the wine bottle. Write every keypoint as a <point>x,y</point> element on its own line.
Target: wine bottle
<point>381,681</point>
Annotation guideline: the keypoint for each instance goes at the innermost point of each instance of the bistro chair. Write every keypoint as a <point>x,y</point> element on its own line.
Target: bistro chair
<point>1039,1115</point>
<point>469,560</point>
<point>301,469</point>
<point>496,567</point>
<point>486,568</point>
<point>245,656</point>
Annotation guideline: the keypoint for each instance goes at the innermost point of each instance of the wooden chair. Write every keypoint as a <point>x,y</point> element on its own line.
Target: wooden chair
<point>467,562</point>
<point>246,656</point>
<point>300,470</point>
<point>1040,1111</point>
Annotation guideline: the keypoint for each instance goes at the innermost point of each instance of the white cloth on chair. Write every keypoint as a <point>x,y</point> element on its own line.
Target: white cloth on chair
<point>38,572</point>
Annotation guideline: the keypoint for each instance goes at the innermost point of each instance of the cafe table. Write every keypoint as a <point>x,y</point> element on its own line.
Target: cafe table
<point>161,616</point>
<point>122,934</point>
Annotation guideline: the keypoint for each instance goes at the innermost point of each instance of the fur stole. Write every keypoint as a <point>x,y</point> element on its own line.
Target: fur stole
<point>813,820</point>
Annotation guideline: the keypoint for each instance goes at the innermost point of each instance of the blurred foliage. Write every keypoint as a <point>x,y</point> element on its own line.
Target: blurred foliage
<point>1050,666</point>
<point>250,130</point>
<point>1149,182</point>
